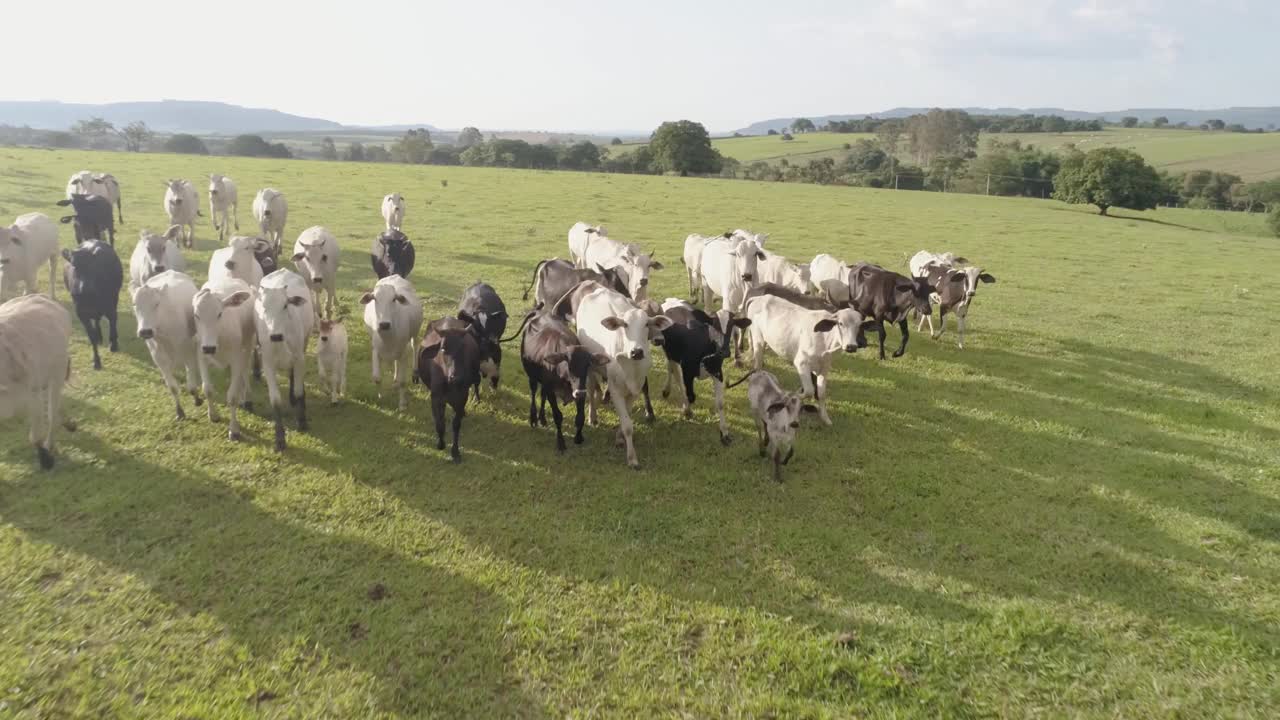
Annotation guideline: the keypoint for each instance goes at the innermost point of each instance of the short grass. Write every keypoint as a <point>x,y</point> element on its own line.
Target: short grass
<point>1077,515</point>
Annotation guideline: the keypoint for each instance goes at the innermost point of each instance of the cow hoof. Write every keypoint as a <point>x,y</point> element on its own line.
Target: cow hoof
<point>197,400</point>
<point>455,457</point>
<point>280,446</point>
<point>688,413</point>
<point>533,421</point>
<point>440,445</point>
<point>69,425</point>
<point>179,416</point>
<point>900,353</point>
<point>97,364</point>
<point>46,457</point>
<point>303,426</point>
<point>560,446</point>
<point>725,440</point>
<point>247,405</point>
<point>233,436</point>
<point>666,393</point>
<point>634,465</point>
<point>115,347</point>
<point>578,439</point>
<point>649,417</point>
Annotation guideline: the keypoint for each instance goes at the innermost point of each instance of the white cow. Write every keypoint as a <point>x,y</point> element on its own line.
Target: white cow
<point>166,322</point>
<point>954,283</point>
<point>610,325</point>
<point>283,318</point>
<point>778,270</point>
<point>224,204</point>
<point>393,314</point>
<point>729,270</point>
<point>331,357</point>
<point>223,311</point>
<point>271,210</point>
<point>25,245</point>
<point>741,234</point>
<point>832,278</point>
<point>627,258</point>
<point>155,254</point>
<point>580,237</point>
<point>237,260</point>
<point>35,334</point>
<point>692,259</point>
<point>921,261</point>
<point>393,210</point>
<point>104,184</point>
<point>315,254</point>
<point>777,415</point>
<point>182,206</point>
<point>808,338</point>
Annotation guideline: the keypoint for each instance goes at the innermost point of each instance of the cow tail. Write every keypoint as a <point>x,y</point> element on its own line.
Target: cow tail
<point>740,380</point>
<point>520,329</point>
<point>533,281</point>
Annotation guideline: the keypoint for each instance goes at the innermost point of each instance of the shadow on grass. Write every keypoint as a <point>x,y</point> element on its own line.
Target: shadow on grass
<point>1138,218</point>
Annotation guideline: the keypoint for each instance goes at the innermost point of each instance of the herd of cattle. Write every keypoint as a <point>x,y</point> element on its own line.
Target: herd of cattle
<point>587,338</point>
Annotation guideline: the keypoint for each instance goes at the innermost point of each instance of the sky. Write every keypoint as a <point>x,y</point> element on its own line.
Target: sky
<point>604,65</point>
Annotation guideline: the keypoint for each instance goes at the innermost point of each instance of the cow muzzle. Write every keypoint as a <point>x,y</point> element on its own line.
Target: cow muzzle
<point>637,354</point>
<point>324,338</point>
<point>146,333</point>
<point>850,348</point>
<point>748,277</point>
<point>160,268</point>
<point>384,327</point>
<point>208,349</point>
<point>4,261</point>
<point>644,282</point>
<point>969,295</point>
<point>278,337</point>
<point>317,280</point>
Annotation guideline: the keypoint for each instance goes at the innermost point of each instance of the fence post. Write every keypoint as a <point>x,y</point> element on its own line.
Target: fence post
<point>988,183</point>
<point>895,181</point>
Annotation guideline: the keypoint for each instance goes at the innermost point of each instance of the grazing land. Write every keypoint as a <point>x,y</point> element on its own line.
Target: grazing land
<point>1078,514</point>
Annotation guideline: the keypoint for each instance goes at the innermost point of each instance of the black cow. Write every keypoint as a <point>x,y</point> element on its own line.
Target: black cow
<point>449,364</point>
<point>392,254</point>
<point>885,296</point>
<point>92,216</point>
<point>558,366</point>
<point>697,345</point>
<point>94,275</point>
<point>487,315</point>
<point>555,277</point>
<point>956,287</point>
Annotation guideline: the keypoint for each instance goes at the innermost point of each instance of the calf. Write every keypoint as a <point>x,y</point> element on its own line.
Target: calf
<point>696,345</point>
<point>166,321</point>
<point>93,276</point>
<point>808,338</point>
<point>153,255</point>
<point>634,264</point>
<point>35,335</point>
<point>271,210</point>
<point>555,277</point>
<point>315,254</point>
<point>224,204</point>
<point>182,206</point>
<point>728,272</point>
<point>954,283</point>
<point>484,310</point>
<point>283,319</point>
<point>884,296</point>
<point>393,211</point>
<point>25,245</point>
<point>609,324</point>
<point>243,258</point>
<point>580,236</point>
<point>331,358</point>
<point>777,270</point>
<point>91,215</point>
<point>449,364</point>
<point>392,254</point>
<point>393,315</point>
<point>777,415</point>
<point>559,367</point>
<point>223,314</point>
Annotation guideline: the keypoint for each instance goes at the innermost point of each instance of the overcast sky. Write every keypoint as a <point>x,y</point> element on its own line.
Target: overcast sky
<point>588,64</point>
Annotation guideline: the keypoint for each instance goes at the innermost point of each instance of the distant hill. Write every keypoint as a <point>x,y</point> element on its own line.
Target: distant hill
<point>1250,117</point>
<point>196,117</point>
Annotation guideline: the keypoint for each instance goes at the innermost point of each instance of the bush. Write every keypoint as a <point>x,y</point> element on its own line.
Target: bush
<point>1109,177</point>
<point>1273,220</point>
<point>255,146</point>
<point>186,145</point>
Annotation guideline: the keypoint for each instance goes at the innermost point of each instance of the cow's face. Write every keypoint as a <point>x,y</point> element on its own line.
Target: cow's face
<point>273,309</point>
<point>841,329</point>
<point>88,259</point>
<point>394,201</point>
<point>746,257</point>
<point>327,331</point>
<point>446,353</point>
<point>157,249</point>
<point>393,239</point>
<point>209,307</point>
<point>176,194</point>
<point>11,246</point>
<point>312,261</point>
<point>147,302</point>
<point>782,417</point>
<point>216,187</point>
<point>634,327</point>
<point>574,368</point>
<point>386,303</point>
<point>639,266</point>
<point>972,276</point>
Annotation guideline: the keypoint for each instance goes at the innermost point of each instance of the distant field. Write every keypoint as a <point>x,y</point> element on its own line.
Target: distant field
<point>1251,156</point>
<point>1077,515</point>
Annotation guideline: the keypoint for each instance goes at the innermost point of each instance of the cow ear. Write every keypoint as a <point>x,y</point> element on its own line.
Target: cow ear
<point>465,317</point>
<point>760,255</point>
<point>555,358</point>
<point>366,298</point>
<point>600,268</point>
<point>429,351</point>
<point>66,219</point>
<point>402,299</point>
<point>655,265</point>
<point>297,300</point>
<point>957,277</point>
<point>775,408</point>
<point>824,325</point>
<point>230,265</point>
<point>173,232</point>
<point>960,261</point>
<point>600,359</point>
<point>298,256</point>
<point>613,323</point>
<point>66,255</point>
<point>64,202</point>
<point>987,278</point>
<point>660,322</point>
<point>741,322</point>
<point>702,317</point>
<point>236,299</point>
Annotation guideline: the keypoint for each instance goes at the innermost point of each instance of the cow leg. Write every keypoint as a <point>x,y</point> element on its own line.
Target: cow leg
<point>579,420</point>
<point>559,419</point>
<point>112,317</point>
<point>737,347</point>
<point>193,377</point>
<point>437,414</point>
<point>273,393</point>
<point>53,274</point>
<point>298,381</point>
<point>235,215</point>
<point>920,320</point>
<point>37,418</point>
<point>377,372</point>
<point>331,301</point>
<point>542,407</point>
<point>902,349</point>
<point>777,465</point>
<point>162,361</point>
<point>881,333</point>
<point>757,348</point>
<point>822,397</point>
<point>341,373</point>
<point>459,412</point>
<point>534,385</point>
<point>961,313</point>
<point>401,385</point>
<point>807,385</point>
<point>762,437</point>
<point>206,384</point>
<point>673,373</point>
<point>95,336</point>
<point>942,323</point>
<point>592,387</point>
<point>626,429</point>
<point>688,375</point>
<point>718,386</point>
<point>648,405</point>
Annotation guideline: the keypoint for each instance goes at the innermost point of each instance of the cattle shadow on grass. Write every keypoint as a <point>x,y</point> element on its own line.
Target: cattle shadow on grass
<point>430,639</point>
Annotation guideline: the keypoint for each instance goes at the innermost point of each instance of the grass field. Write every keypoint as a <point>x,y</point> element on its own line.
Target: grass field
<point>1251,156</point>
<point>1077,515</point>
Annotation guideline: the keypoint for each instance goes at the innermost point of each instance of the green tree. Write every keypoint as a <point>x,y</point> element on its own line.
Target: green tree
<point>1160,122</point>
<point>135,135</point>
<point>468,137</point>
<point>580,156</point>
<point>616,141</point>
<point>1129,121</point>
<point>772,131</point>
<point>1273,219</point>
<point>376,153</point>
<point>1109,177</point>
<point>413,147</point>
<point>941,132</point>
<point>94,131</point>
<point>355,153</point>
<point>328,151</point>
<point>802,125</point>
<point>1053,124</point>
<point>249,146</point>
<point>1216,124</point>
<point>185,144</point>
<point>684,147</point>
